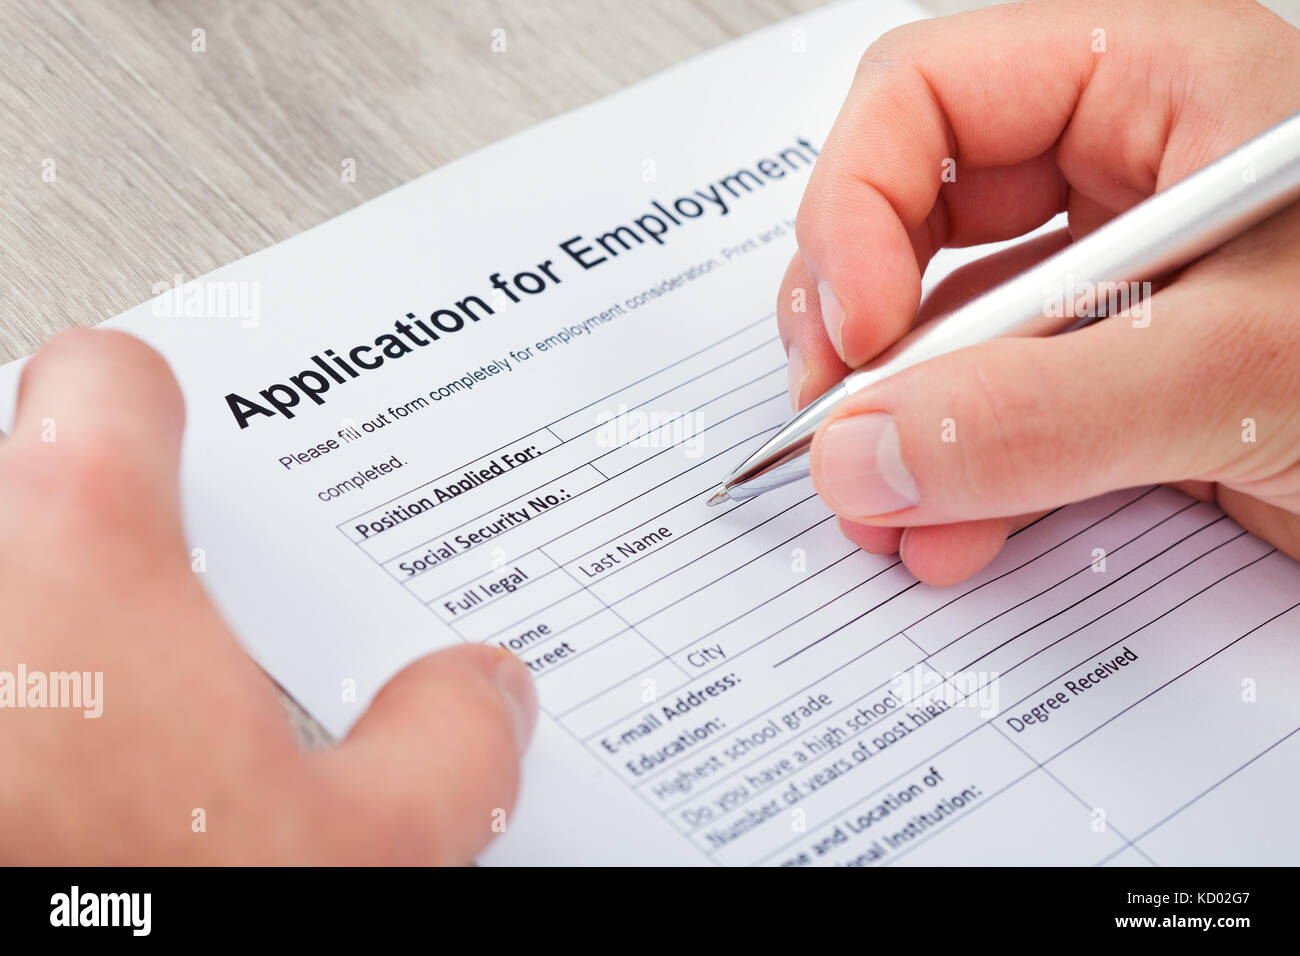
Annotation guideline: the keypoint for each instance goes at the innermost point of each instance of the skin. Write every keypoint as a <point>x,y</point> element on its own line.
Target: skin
<point>95,576</point>
<point>95,573</point>
<point>1039,123</point>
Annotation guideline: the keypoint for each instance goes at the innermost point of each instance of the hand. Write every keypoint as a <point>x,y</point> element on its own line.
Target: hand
<point>1047,107</point>
<point>95,577</point>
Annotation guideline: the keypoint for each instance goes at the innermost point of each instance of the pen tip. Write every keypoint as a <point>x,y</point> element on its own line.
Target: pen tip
<point>718,496</point>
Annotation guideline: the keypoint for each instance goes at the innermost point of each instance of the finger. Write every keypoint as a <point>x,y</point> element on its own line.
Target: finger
<point>906,123</point>
<point>1007,88</point>
<point>1200,490</point>
<point>987,198</point>
<point>99,391</point>
<point>1277,525</point>
<point>813,365</point>
<point>872,539</point>
<point>95,383</point>
<point>961,285</point>
<point>1086,214</point>
<point>975,277</point>
<point>1019,425</point>
<point>97,437</point>
<point>944,554</point>
<point>433,765</point>
<point>92,526</point>
<point>939,555</point>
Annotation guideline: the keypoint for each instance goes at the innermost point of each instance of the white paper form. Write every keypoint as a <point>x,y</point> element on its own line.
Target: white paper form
<point>487,406</point>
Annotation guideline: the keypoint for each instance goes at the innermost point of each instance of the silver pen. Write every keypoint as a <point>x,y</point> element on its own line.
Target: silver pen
<point>1159,234</point>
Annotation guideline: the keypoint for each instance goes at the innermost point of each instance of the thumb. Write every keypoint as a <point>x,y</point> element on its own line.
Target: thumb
<point>97,438</point>
<point>100,390</point>
<point>433,764</point>
<point>1019,425</point>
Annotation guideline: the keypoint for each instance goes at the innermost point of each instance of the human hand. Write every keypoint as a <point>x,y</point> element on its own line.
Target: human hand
<point>1047,107</point>
<point>95,577</point>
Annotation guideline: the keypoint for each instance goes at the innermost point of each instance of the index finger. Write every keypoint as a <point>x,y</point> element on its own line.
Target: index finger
<point>949,136</point>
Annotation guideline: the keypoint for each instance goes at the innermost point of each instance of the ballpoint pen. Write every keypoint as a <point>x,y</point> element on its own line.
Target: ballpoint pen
<point>1163,232</point>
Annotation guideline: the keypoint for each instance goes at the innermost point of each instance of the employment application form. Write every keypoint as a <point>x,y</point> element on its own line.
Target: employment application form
<point>487,406</point>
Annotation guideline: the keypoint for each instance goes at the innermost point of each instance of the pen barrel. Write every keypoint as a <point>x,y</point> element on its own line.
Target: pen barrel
<point>1167,230</point>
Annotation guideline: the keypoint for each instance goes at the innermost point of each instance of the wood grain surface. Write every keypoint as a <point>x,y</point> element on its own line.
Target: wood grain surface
<point>166,160</point>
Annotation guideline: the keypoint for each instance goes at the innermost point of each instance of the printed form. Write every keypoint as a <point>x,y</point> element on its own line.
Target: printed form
<point>487,407</point>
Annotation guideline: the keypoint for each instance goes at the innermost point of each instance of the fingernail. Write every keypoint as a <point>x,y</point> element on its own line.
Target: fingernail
<point>516,687</point>
<point>832,315</point>
<point>861,469</point>
<point>798,375</point>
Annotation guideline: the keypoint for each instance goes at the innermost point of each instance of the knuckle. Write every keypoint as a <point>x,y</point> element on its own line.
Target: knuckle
<point>810,222</point>
<point>1009,422</point>
<point>893,46</point>
<point>792,300</point>
<point>830,218</point>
